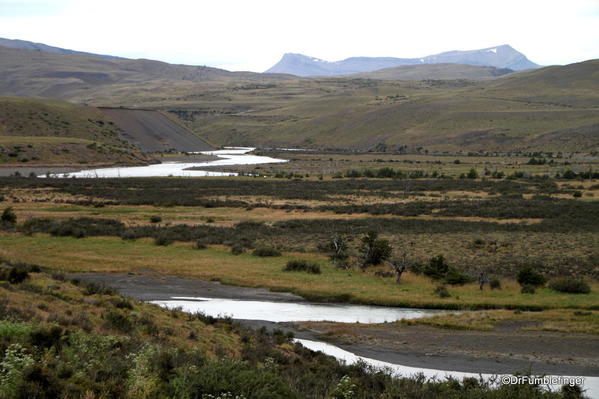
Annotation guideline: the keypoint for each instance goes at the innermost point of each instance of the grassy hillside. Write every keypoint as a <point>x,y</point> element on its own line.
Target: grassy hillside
<point>37,131</point>
<point>549,109</point>
<point>435,71</point>
<point>553,108</point>
<point>72,339</point>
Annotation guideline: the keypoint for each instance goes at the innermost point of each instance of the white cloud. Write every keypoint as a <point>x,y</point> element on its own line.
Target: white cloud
<point>253,35</point>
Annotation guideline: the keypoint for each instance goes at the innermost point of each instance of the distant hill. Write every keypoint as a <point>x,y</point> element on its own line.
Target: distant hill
<point>26,45</point>
<point>500,57</point>
<point>552,108</point>
<point>70,76</point>
<point>435,71</point>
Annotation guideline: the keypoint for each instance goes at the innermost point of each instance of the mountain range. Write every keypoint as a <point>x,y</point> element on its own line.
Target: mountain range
<point>500,57</point>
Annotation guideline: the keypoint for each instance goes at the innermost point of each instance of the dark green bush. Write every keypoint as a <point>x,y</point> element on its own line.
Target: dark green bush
<point>374,250</point>
<point>528,289</point>
<point>456,276</point>
<point>91,288</point>
<point>237,250</point>
<point>118,321</point>
<point>8,216</point>
<point>14,275</point>
<point>442,292</point>
<point>163,240</point>
<point>529,276</point>
<point>200,245</point>
<point>155,219</point>
<point>300,265</point>
<point>437,267</point>
<point>266,251</point>
<point>495,284</point>
<point>569,285</point>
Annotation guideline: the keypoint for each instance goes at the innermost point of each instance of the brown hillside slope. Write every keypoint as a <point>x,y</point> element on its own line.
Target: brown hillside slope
<point>154,132</point>
<point>36,131</point>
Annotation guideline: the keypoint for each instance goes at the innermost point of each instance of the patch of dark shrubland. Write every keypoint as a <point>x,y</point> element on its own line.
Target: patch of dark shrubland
<point>266,252</point>
<point>301,265</point>
<point>569,285</point>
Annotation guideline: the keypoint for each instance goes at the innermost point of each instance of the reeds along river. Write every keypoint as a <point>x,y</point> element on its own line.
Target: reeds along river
<point>227,157</point>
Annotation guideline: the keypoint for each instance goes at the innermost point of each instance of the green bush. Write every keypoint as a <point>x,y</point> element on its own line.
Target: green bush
<point>14,275</point>
<point>237,250</point>
<point>570,285</point>
<point>442,292</point>
<point>374,250</point>
<point>437,267</point>
<point>266,251</point>
<point>456,276</point>
<point>118,321</point>
<point>529,276</point>
<point>528,289</point>
<point>155,219</point>
<point>300,265</point>
<point>163,240</point>
<point>495,284</point>
<point>8,216</point>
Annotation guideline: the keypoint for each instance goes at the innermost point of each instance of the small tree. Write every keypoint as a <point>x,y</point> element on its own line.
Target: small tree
<point>529,276</point>
<point>339,248</point>
<point>399,266</point>
<point>374,250</point>
<point>437,267</point>
<point>9,216</point>
<point>472,174</point>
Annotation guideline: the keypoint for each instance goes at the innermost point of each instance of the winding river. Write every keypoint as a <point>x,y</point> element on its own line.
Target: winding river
<point>343,313</point>
<point>227,157</point>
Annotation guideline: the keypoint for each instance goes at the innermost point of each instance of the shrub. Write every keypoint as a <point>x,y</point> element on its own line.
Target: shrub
<point>437,267</point>
<point>155,219</point>
<point>374,250</point>
<point>472,174</point>
<point>456,276</point>
<point>300,265</point>
<point>442,292</point>
<point>128,235</point>
<point>199,245</point>
<point>570,285</point>
<point>528,289</point>
<point>266,251</point>
<point>163,240</point>
<point>15,275</point>
<point>529,276</point>
<point>118,321</point>
<point>495,284</point>
<point>237,250</point>
<point>94,288</point>
<point>8,216</point>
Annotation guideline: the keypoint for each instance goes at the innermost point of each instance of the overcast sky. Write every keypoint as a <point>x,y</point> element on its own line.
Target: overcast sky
<point>254,34</point>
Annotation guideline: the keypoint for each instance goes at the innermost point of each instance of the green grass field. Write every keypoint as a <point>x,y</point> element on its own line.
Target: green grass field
<point>107,254</point>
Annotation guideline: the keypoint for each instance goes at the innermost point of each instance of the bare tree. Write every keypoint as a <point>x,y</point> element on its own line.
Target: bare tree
<point>400,264</point>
